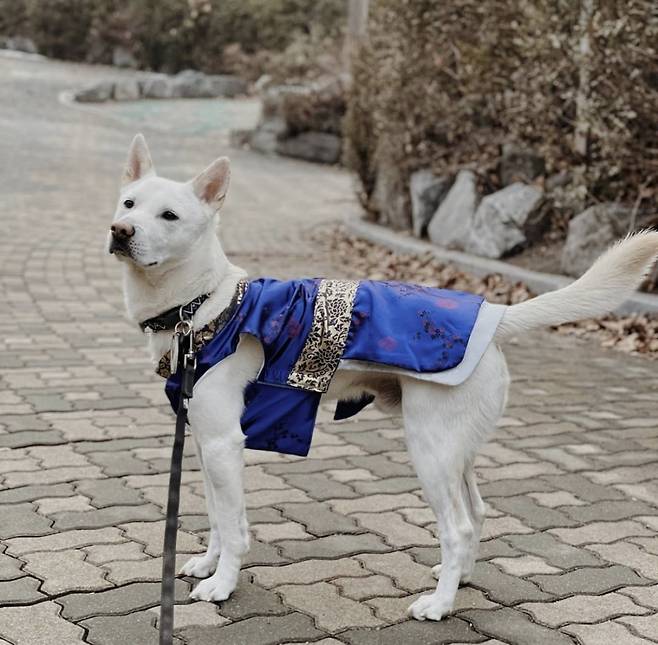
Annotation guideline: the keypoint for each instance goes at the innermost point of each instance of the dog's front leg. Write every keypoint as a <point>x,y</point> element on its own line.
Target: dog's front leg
<point>215,412</point>
<point>204,565</point>
<point>224,464</point>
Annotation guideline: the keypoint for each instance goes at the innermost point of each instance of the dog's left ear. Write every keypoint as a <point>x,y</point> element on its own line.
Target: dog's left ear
<point>212,184</point>
<point>138,164</point>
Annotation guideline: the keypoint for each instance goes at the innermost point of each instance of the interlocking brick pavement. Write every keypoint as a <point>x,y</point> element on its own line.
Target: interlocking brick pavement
<point>343,540</point>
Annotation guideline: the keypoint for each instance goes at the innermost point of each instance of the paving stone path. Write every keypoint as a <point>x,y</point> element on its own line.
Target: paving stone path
<point>343,540</point>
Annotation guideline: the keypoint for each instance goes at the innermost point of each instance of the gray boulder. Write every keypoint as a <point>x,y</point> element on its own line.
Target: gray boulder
<point>262,83</point>
<point>157,87</point>
<point>128,90</point>
<point>227,85</point>
<point>426,190</point>
<point>519,163</point>
<point>558,180</point>
<point>312,146</point>
<point>266,137</point>
<point>506,220</point>
<point>591,233</point>
<point>96,93</point>
<point>240,138</point>
<point>19,44</point>
<point>190,84</point>
<point>451,224</point>
<point>274,97</point>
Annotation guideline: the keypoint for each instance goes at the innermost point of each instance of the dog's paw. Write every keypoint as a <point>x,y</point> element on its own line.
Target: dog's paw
<point>429,608</point>
<point>200,566</point>
<point>212,589</point>
<point>436,571</point>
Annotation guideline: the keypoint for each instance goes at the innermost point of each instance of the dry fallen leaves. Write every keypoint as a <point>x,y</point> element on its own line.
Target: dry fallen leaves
<point>633,334</point>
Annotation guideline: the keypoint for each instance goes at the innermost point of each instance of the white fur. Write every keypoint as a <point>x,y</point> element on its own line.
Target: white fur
<point>172,262</point>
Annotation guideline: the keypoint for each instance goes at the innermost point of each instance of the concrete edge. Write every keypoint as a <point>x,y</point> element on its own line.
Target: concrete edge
<point>537,281</point>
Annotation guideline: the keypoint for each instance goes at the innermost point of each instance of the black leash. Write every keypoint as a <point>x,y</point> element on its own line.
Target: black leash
<point>187,363</point>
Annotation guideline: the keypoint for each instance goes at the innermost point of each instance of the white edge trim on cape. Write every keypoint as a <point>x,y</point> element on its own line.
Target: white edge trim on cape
<point>485,326</point>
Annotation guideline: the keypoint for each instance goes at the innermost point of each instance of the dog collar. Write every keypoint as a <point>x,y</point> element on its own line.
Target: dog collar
<point>168,319</point>
<point>202,336</point>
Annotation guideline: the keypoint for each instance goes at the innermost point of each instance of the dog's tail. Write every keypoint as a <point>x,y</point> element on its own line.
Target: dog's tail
<point>605,286</point>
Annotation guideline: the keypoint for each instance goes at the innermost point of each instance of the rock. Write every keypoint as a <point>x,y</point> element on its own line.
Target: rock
<point>274,96</point>
<point>128,90</point>
<point>240,138</point>
<point>652,280</point>
<point>263,82</point>
<point>157,87</point>
<point>426,191</point>
<point>451,224</point>
<point>96,93</point>
<point>190,84</point>
<point>591,233</point>
<point>186,84</point>
<point>506,220</point>
<point>19,44</point>
<point>227,85</point>
<point>559,180</point>
<point>266,137</point>
<point>319,107</point>
<point>312,146</point>
<point>518,163</point>
<point>122,57</point>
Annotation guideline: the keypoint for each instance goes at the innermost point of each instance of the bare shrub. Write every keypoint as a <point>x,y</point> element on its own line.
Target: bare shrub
<point>443,85</point>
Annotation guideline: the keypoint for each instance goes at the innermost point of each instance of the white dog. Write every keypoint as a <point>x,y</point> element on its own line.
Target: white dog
<point>165,233</point>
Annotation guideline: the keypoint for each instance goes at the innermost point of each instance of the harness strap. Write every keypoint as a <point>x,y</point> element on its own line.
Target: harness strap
<point>187,363</point>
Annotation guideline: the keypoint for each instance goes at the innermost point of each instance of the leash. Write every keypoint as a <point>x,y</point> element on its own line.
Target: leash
<point>185,360</point>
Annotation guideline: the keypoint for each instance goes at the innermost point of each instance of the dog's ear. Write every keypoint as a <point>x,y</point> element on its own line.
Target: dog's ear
<point>212,184</point>
<point>139,164</point>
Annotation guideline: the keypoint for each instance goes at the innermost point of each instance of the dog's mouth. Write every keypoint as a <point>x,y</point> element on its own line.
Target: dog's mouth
<point>122,251</point>
<point>118,248</point>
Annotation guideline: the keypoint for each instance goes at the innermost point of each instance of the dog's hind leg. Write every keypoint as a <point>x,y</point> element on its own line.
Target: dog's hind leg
<point>440,469</point>
<point>444,427</point>
<point>201,566</point>
<point>476,509</point>
<point>477,512</point>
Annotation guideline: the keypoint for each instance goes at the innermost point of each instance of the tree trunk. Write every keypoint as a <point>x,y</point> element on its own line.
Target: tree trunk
<point>584,58</point>
<point>357,27</point>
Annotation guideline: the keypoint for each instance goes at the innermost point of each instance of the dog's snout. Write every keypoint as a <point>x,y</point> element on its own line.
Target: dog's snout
<point>122,230</point>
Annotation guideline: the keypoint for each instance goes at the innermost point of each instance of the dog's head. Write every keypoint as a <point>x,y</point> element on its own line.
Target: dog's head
<point>158,221</point>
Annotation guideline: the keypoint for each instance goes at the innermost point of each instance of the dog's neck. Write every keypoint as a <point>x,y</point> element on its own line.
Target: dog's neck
<point>205,270</point>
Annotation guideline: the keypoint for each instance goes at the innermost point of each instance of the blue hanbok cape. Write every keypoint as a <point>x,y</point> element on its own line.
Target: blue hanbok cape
<point>308,327</point>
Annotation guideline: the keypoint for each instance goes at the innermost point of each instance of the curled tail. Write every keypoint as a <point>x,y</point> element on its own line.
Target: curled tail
<point>604,287</point>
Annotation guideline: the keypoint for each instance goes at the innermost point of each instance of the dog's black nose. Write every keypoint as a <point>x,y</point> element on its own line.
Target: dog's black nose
<point>121,231</point>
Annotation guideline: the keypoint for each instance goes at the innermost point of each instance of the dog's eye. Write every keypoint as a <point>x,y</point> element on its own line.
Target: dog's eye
<point>128,203</point>
<point>169,216</point>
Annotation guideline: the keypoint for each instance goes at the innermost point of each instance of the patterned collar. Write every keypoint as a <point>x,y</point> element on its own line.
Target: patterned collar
<point>206,333</point>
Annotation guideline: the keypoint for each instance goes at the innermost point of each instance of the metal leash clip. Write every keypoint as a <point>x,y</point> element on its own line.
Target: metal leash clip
<point>182,331</point>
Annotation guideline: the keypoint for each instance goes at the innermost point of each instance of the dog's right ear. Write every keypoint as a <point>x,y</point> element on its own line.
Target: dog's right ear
<point>139,164</point>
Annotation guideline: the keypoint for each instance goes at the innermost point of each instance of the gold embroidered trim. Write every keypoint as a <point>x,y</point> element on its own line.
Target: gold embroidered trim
<point>323,348</point>
<point>208,332</point>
